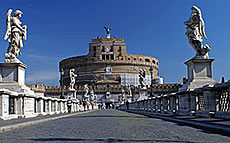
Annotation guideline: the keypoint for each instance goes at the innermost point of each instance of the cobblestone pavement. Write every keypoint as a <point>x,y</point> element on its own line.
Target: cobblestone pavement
<point>23,120</point>
<point>110,126</point>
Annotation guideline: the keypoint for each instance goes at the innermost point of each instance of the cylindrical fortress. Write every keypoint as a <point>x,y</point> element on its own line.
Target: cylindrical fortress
<point>108,63</point>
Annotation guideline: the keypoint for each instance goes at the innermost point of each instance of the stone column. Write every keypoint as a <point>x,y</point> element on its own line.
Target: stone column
<point>184,104</point>
<point>4,105</point>
<point>40,106</point>
<point>66,108</point>
<point>56,106</point>
<point>193,103</point>
<point>19,104</point>
<point>61,107</point>
<point>49,106</point>
<point>165,104</point>
<point>154,104</point>
<point>172,104</point>
<point>209,102</point>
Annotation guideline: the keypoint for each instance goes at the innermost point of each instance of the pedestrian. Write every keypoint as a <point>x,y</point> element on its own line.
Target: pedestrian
<point>69,104</point>
<point>127,105</point>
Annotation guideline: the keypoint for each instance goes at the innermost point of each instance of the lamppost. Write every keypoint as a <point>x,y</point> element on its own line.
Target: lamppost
<point>151,84</point>
<point>62,84</point>
<point>133,92</point>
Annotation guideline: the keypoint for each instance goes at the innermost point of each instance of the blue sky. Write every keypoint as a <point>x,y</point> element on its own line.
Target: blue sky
<point>58,29</point>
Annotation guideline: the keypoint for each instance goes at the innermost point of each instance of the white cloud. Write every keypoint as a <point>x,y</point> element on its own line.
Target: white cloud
<point>42,58</point>
<point>41,76</point>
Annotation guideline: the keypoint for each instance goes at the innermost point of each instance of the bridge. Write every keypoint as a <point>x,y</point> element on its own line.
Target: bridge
<point>108,126</point>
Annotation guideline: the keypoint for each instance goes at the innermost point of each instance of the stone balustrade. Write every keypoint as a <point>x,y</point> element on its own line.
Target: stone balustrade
<point>20,105</point>
<point>208,101</point>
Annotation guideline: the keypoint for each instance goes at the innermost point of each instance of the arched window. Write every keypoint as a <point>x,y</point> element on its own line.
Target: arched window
<point>147,60</point>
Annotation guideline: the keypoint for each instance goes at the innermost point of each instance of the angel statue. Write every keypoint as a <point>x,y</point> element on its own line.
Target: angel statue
<point>15,33</point>
<point>72,79</point>
<point>107,29</point>
<point>195,31</point>
<point>142,74</point>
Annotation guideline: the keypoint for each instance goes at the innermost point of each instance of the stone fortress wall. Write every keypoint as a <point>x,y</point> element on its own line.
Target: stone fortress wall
<point>108,63</point>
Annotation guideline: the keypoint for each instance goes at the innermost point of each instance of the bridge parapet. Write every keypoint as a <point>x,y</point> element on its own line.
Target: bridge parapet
<point>207,101</point>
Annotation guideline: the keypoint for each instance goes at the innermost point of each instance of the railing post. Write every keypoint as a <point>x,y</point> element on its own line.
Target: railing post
<point>209,101</point>
<point>154,104</point>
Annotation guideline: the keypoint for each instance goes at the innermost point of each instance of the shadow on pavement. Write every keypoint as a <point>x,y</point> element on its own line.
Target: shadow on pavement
<point>105,140</point>
<point>108,116</point>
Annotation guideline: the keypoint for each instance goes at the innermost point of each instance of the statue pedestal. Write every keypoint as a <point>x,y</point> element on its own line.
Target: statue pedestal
<point>12,73</point>
<point>72,93</point>
<point>142,94</point>
<point>199,74</point>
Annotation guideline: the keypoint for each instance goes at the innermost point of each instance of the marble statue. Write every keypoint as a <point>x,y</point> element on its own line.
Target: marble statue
<point>15,33</point>
<point>123,94</point>
<point>72,76</point>
<point>142,74</point>
<point>130,90</point>
<point>195,32</point>
<point>92,96</point>
<point>107,29</point>
<point>86,88</point>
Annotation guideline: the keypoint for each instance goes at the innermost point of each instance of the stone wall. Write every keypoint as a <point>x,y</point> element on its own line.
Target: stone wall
<point>207,101</point>
<point>92,68</point>
<point>16,105</point>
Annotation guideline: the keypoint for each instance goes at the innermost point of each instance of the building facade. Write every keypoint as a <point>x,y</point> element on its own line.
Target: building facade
<point>108,65</point>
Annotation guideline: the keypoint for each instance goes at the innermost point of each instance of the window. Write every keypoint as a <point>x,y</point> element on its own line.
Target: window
<point>135,59</point>
<point>11,105</point>
<point>112,57</point>
<point>103,57</point>
<point>147,60</point>
<point>103,49</point>
<point>119,51</point>
<point>94,51</point>
<point>140,59</point>
<point>111,49</point>
<point>107,57</point>
<point>154,61</point>
<point>129,59</point>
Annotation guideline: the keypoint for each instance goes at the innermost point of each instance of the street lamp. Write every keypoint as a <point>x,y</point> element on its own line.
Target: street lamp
<point>151,84</point>
<point>62,83</point>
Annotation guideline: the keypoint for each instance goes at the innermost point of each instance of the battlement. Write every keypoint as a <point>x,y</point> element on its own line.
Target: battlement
<point>110,40</point>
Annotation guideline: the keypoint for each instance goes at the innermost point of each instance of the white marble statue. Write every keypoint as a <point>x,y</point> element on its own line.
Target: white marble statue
<point>142,74</point>
<point>15,33</point>
<point>92,97</point>
<point>86,88</point>
<point>107,29</point>
<point>195,32</point>
<point>130,90</point>
<point>72,76</point>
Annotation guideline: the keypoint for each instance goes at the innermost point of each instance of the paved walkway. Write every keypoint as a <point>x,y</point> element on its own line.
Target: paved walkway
<point>6,125</point>
<point>110,126</point>
<point>213,124</point>
<point>23,120</point>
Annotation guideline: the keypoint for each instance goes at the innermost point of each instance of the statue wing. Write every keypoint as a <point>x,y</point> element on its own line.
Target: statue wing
<point>201,24</point>
<point>202,27</point>
<point>8,27</point>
